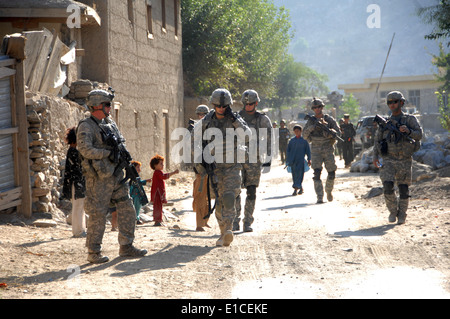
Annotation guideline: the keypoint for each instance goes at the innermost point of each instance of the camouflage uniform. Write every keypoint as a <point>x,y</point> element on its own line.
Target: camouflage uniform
<point>284,137</point>
<point>103,188</point>
<point>348,134</point>
<point>228,174</point>
<point>397,163</point>
<point>322,152</point>
<point>251,172</point>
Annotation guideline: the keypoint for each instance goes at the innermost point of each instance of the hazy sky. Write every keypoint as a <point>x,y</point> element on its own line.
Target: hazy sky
<point>349,39</point>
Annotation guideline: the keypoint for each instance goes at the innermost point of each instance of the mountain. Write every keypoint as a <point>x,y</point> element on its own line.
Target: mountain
<point>334,38</point>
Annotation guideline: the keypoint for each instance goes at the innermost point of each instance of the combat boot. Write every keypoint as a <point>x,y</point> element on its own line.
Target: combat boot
<point>392,217</point>
<point>131,251</point>
<point>329,184</point>
<point>247,228</point>
<point>236,226</point>
<point>97,258</point>
<point>401,218</point>
<point>225,239</point>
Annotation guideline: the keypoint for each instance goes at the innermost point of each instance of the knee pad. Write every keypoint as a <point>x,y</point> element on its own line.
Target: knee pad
<point>331,175</point>
<point>251,192</point>
<point>404,191</point>
<point>228,200</point>
<point>317,173</point>
<point>388,187</point>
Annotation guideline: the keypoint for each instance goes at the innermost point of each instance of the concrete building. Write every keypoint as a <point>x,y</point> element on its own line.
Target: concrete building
<point>418,90</point>
<point>132,45</point>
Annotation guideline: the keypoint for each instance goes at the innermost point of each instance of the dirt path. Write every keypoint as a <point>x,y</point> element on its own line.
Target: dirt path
<point>342,249</point>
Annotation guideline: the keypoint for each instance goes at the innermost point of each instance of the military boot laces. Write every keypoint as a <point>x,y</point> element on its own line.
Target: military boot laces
<point>131,251</point>
<point>97,258</point>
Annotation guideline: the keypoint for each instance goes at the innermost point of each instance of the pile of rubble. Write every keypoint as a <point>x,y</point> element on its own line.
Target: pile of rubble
<point>80,89</point>
<point>432,159</point>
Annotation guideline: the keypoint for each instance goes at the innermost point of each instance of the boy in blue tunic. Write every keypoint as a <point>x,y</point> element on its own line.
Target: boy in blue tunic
<point>297,148</point>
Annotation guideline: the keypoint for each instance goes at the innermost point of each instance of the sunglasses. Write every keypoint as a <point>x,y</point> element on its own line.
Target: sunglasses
<point>316,107</point>
<point>107,104</point>
<point>221,106</point>
<point>251,104</point>
<point>393,102</point>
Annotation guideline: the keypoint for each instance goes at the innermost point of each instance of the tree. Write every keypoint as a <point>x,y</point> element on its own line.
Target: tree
<point>439,16</point>
<point>350,106</point>
<point>236,44</point>
<point>295,80</point>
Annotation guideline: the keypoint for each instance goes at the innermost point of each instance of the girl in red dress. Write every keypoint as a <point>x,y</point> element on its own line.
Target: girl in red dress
<point>158,191</point>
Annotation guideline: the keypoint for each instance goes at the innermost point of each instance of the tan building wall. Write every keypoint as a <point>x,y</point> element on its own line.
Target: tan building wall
<point>418,90</point>
<point>143,66</point>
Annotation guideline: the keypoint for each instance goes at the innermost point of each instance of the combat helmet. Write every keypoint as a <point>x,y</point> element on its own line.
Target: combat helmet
<point>221,97</point>
<point>97,97</point>
<point>250,97</point>
<point>395,96</point>
<point>316,102</point>
<point>201,109</point>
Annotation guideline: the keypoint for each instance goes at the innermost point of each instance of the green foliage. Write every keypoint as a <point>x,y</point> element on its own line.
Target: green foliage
<point>350,106</point>
<point>236,44</point>
<point>295,80</point>
<point>439,16</point>
<point>442,62</point>
<point>444,110</point>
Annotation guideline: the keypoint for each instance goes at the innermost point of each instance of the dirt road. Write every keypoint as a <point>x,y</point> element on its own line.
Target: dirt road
<point>298,249</point>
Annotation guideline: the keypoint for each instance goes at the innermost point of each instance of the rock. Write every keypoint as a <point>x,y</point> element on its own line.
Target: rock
<point>44,223</point>
<point>376,191</point>
<point>421,172</point>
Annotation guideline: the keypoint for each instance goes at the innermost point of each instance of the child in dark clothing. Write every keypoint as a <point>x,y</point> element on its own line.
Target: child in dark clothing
<point>134,192</point>
<point>74,184</point>
<point>158,191</point>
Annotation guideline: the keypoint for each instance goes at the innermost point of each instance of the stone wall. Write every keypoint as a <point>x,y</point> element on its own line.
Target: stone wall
<point>48,119</point>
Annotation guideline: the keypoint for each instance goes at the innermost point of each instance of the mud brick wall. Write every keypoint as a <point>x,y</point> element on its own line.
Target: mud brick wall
<point>48,119</point>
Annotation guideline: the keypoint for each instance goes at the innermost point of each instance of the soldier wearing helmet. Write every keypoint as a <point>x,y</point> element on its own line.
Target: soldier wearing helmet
<point>201,111</point>
<point>396,150</point>
<point>261,127</point>
<point>226,167</point>
<point>322,149</point>
<point>103,182</point>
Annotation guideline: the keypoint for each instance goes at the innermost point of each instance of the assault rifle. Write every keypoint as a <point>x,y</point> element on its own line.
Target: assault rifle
<point>393,128</point>
<point>323,127</point>
<point>122,158</point>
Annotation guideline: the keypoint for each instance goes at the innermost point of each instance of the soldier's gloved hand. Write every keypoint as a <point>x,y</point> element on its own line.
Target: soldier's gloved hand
<point>229,113</point>
<point>266,167</point>
<point>114,155</point>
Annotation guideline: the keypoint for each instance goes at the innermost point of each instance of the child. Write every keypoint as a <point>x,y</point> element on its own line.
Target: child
<point>158,192</point>
<point>74,185</point>
<point>295,158</point>
<point>134,192</point>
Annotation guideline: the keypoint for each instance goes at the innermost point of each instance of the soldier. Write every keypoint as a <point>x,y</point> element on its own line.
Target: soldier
<point>396,150</point>
<point>284,136</point>
<point>225,168</point>
<point>103,181</point>
<point>251,169</point>
<point>322,149</point>
<point>348,133</point>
